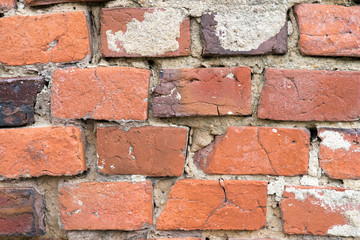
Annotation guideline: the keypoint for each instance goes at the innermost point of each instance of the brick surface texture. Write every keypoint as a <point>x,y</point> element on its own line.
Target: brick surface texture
<point>179,120</point>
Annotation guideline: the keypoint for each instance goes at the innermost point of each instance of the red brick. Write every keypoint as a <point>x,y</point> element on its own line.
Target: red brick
<point>213,205</point>
<point>339,155</point>
<point>6,5</point>
<point>320,211</point>
<point>110,93</point>
<point>33,152</point>
<point>152,151</point>
<point>328,30</point>
<point>257,150</point>
<point>21,212</point>
<point>304,95</point>
<point>203,92</point>
<point>60,37</point>
<point>47,2</point>
<point>106,205</point>
<point>151,32</point>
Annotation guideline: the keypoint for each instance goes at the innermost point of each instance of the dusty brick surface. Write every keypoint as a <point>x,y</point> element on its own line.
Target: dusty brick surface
<point>320,211</point>
<point>257,150</point>
<point>123,28</point>
<point>328,30</point>
<point>106,205</point>
<point>203,92</point>
<point>339,155</point>
<point>304,95</point>
<point>153,151</point>
<point>33,152</point>
<point>110,93</point>
<point>21,212</point>
<point>6,5</point>
<point>60,37</point>
<point>17,100</point>
<point>213,205</point>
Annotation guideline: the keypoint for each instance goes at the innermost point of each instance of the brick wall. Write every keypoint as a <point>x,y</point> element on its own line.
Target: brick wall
<point>182,120</point>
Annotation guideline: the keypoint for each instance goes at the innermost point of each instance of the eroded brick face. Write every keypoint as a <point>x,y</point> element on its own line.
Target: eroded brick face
<point>21,212</point>
<point>60,37</point>
<point>328,30</point>
<point>214,205</point>
<point>106,205</point>
<point>256,150</point>
<point>153,151</point>
<point>203,92</point>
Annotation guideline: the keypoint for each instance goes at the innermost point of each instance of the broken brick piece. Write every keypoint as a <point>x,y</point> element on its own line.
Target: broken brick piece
<point>21,212</point>
<point>321,211</point>
<point>257,150</point>
<point>106,206</point>
<point>328,30</point>
<point>152,151</point>
<point>140,32</point>
<point>6,5</point>
<point>215,205</point>
<point>339,155</point>
<point>110,93</point>
<point>203,92</point>
<point>17,100</point>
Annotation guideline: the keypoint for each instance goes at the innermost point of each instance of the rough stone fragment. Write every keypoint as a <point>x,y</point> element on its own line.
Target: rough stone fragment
<point>47,2</point>
<point>110,93</point>
<point>151,32</point>
<point>215,205</point>
<point>33,152</point>
<point>203,92</point>
<point>6,5</point>
<point>225,33</point>
<point>257,150</point>
<point>21,212</point>
<point>106,205</point>
<point>305,95</point>
<point>152,151</point>
<point>60,37</point>
<point>339,155</point>
<point>321,211</point>
<point>17,100</point>
<point>328,30</point>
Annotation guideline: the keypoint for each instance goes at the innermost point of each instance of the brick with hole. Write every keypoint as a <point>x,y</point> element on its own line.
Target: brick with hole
<point>17,100</point>
<point>321,211</point>
<point>105,93</point>
<point>328,30</point>
<point>152,151</point>
<point>48,38</point>
<point>21,212</point>
<point>144,32</point>
<point>257,150</point>
<point>215,205</point>
<point>34,152</point>
<point>203,92</point>
<point>339,155</point>
<point>106,206</point>
<point>307,95</point>
<point>6,5</point>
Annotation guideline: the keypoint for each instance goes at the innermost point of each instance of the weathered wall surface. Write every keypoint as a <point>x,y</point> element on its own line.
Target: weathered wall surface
<point>192,119</point>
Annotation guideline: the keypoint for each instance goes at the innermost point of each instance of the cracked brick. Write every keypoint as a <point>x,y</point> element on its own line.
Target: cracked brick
<point>257,150</point>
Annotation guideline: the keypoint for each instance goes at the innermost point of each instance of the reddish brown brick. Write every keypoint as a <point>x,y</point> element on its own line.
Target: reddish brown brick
<point>321,211</point>
<point>17,100</point>
<point>213,205</point>
<point>150,32</point>
<point>339,155</point>
<point>257,150</point>
<point>111,93</point>
<point>6,5</point>
<point>153,151</point>
<point>203,92</point>
<point>304,95</point>
<point>33,152</point>
<point>60,37</point>
<point>21,212</point>
<point>106,205</point>
<point>328,30</point>
<point>47,2</point>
